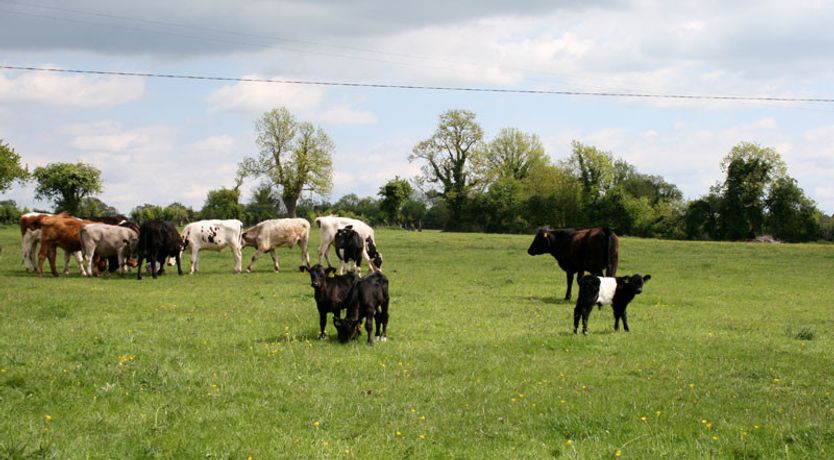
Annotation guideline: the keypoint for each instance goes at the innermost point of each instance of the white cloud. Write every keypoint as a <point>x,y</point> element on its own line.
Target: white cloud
<point>343,115</point>
<point>256,98</point>
<point>65,90</point>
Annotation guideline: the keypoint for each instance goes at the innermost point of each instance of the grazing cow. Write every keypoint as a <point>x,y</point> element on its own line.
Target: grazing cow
<point>106,241</point>
<point>330,292</point>
<point>157,240</point>
<point>112,263</point>
<point>61,231</point>
<point>213,235</point>
<point>329,225</point>
<point>30,236</point>
<point>617,292</point>
<point>579,250</point>
<point>369,302</point>
<point>274,233</point>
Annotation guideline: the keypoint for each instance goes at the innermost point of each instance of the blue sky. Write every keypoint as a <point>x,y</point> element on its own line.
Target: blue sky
<point>165,140</point>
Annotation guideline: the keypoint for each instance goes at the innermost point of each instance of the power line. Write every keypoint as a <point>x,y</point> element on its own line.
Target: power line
<point>638,95</point>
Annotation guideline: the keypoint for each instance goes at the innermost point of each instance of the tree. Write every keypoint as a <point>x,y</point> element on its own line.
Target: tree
<point>10,168</point>
<point>9,214</point>
<point>178,214</point>
<point>222,204</point>
<point>554,197</point>
<point>750,169</point>
<point>94,207</point>
<point>791,216</point>
<point>394,194</point>
<point>451,157</point>
<point>66,184</point>
<point>294,156</point>
<point>147,212</point>
<point>513,154</point>
<point>264,205</point>
<point>593,168</point>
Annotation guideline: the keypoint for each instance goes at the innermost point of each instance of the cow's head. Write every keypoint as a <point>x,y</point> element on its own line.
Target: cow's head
<point>347,329</point>
<point>375,255</point>
<point>634,282</point>
<point>542,242</point>
<point>318,274</point>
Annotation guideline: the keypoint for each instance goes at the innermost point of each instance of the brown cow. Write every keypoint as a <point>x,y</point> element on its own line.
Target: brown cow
<point>30,236</point>
<point>59,231</point>
<point>579,250</point>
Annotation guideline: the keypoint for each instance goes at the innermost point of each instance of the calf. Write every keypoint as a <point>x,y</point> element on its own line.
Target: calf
<point>617,292</point>
<point>369,302</point>
<point>329,225</point>
<point>330,292</point>
<point>107,241</point>
<point>157,240</point>
<point>349,247</point>
<point>30,236</point>
<point>61,231</point>
<point>213,235</point>
<point>274,233</point>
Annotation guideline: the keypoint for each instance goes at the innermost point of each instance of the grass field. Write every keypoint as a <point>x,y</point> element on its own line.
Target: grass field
<point>730,355</point>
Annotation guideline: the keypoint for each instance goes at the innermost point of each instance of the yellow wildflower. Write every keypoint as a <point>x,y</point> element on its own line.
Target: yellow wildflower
<point>618,452</point>
<point>47,418</point>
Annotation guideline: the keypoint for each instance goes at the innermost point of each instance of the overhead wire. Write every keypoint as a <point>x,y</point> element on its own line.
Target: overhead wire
<point>640,95</point>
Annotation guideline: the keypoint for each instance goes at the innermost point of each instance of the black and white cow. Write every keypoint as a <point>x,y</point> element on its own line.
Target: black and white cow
<point>599,290</point>
<point>349,249</point>
<point>213,235</point>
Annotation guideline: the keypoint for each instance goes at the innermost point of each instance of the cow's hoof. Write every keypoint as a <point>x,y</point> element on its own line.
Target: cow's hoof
<point>302,268</point>
<point>382,339</point>
<point>248,270</point>
<point>585,333</point>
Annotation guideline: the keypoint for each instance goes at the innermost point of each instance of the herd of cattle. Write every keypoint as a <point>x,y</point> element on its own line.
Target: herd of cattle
<point>114,243</point>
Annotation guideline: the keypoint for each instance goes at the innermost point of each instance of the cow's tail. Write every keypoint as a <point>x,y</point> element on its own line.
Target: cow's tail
<point>613,252</point>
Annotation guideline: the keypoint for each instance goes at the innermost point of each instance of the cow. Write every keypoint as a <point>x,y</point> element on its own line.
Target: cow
<point>330,291</point>
<point>617,292</point>
<point>369,302</point>
<point>30,236</point>
<point>349,247</point>
<point>274,233</point>
<point>157,240</point>
<point>111,263</point>
<point>579,250</point>
<point>105,240</point>
<point>213,235</point>
<point>61,231</point>
<point>329,225</point>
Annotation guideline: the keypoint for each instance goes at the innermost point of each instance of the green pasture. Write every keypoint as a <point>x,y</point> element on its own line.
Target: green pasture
<point>730,355</point>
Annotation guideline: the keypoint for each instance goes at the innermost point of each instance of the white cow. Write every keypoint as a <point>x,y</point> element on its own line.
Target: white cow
<point>274,233</point>
<point>105,240</point>
<point>30,236</point>
<point>330,224</point>
<point>213,235</point>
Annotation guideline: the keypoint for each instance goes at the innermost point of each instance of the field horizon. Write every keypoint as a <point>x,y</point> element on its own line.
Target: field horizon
<point>729,356</point>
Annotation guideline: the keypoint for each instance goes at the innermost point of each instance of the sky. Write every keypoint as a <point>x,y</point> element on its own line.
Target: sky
<point>160,140</point>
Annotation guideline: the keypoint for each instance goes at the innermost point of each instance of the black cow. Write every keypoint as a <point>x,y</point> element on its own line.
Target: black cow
<point>349,247</point>
<point>579,250</point>
<point>617,292</point>
<point>157,240</point>
<point>331,292</point>
<point>368,301</point>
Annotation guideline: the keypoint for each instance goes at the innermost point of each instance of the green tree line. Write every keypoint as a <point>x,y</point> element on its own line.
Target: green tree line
<point>507,184</point>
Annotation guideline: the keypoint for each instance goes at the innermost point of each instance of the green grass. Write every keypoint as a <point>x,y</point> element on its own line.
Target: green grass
<point>730,356</point>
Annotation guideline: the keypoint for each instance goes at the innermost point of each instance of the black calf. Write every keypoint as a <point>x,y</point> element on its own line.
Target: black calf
<point>369,300</point>
<point>330,292</point>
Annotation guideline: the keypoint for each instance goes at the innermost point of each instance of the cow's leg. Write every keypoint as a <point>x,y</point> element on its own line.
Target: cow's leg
<point>67,256</point>
<point>88,261</point>
<point>195,254</point>
<point>305,256</point>
<point>179,268</point>
<point>154,264</point>
<point>52,254</point>
<point>625,320</point>
<point>255,257</point>
<point>42,255</point>
<point>236,253</point>
<point>80,260</point>
<point>139,264</point>
<point>586,312</point>
<point>369,326</point>
<point>322,322</point>
<point>570,284</point>
<point>577,314</point>
<point>382,324</point>
<point>274,255</point>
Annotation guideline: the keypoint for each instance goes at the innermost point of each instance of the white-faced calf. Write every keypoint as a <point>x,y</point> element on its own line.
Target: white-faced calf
<point>598,290</point>
<point>349,248</point>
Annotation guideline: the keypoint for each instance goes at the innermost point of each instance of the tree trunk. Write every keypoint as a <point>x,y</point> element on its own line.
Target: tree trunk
<point>290,204</point>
